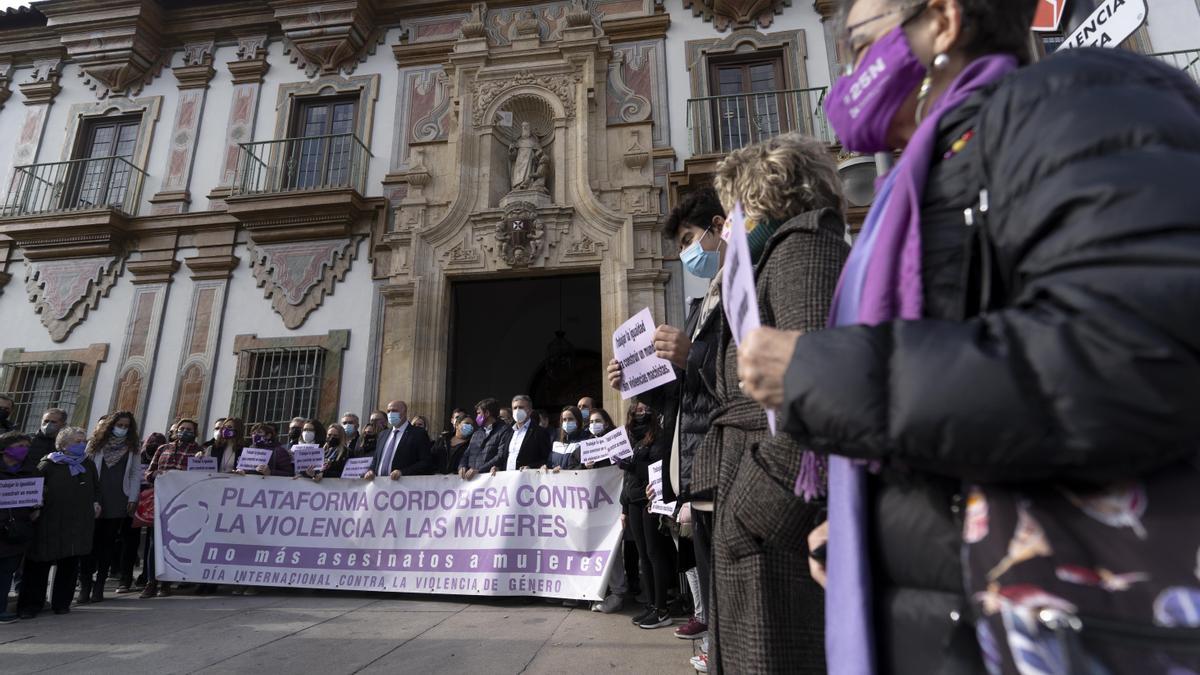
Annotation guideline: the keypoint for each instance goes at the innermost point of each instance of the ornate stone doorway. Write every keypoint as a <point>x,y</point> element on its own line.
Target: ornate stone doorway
<point>540,336</point>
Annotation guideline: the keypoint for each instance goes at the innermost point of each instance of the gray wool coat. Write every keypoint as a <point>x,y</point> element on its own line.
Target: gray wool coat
<point>767,614</point>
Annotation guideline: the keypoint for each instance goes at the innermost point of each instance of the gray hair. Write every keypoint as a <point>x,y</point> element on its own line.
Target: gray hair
<point>522,398</point>
<point>60,441</point>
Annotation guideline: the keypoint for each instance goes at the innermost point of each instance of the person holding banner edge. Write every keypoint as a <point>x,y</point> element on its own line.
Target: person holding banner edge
<point>402,449</point>
<point>483,452</point>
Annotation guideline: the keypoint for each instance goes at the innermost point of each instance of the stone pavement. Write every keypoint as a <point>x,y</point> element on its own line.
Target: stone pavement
<point>304,631</point>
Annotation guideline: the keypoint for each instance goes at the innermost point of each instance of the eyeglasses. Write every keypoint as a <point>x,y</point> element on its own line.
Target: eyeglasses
<point>844,42</point>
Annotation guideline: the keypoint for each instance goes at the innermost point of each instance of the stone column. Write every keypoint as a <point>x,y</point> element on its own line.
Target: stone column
<point>194,76</point>
<point>247,71</point>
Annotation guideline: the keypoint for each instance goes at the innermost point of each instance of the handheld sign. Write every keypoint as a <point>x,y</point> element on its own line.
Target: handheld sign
<point>202,464</point>
<point>593,450</point>
<point>738,293</point>
<point>308,457</point>
<point>355,468</point>
<point>1110,25</point>
<point>21,492</point>
<point>633,348</point>
<point>252,458</point>
<point>656,504</point>
<point>617,444</point>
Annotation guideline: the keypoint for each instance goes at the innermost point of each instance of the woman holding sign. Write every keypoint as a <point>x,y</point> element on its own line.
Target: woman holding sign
<point>653,546</point>
<point>65,526</point>
<point>566,441</point>
<point>227,447</point>
<point>114,451</point>
<point>16,522</point>
<point>600,424</point>
<point>766,613</point>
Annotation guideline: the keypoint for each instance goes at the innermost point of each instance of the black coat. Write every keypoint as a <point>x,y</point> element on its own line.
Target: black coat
<point>483,452</point>
<point>1060,341</point>
<point>40,445</point>
<point>67,519</point>
<point>446,456</point>
<point>637,468</point>
<point>534,452</point>
<point>19,519</point>
<point>411,458</point>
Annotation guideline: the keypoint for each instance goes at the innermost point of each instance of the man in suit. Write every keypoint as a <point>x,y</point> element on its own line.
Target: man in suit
<point>401,449</point>
<point>528,446</point>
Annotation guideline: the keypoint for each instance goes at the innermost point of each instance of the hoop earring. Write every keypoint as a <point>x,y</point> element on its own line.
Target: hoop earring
<point>939,62</point>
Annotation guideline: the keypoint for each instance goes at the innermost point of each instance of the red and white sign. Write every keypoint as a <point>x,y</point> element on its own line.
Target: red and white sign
<point>1049,15</point>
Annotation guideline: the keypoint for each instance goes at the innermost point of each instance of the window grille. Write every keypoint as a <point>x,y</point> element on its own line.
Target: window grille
<point>38,385</point>
<point>279,383</point>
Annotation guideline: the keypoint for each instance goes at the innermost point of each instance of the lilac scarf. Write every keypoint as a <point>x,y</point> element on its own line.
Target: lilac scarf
<point>881,282</point>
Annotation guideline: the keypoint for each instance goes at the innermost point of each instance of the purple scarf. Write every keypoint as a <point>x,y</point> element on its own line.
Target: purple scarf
<point>881,282</point>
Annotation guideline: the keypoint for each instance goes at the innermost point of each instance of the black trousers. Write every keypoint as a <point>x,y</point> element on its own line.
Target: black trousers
<point>33,584</point>
<point>106,551</point>
<point>702,546</point>
<point>655,549</point>
<point>130,540</point>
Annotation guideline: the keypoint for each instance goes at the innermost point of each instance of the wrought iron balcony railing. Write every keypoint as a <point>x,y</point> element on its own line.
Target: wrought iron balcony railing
<point>75,185</point>
<point>1187,60</point>
<point>719,124</point>
<point>309,163</point>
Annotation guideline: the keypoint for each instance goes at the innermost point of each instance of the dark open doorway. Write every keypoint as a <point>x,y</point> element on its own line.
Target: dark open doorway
<point>538,336</point>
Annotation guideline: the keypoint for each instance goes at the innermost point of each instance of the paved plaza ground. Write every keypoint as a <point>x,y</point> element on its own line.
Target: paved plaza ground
<point>302,631</point>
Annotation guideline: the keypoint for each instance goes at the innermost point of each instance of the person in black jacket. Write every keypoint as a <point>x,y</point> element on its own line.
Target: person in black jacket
<point>6,410</point>
<point>402,450</point>
<point>16,523</point>
<point>654,547</point>
<point>483,452</point>
<point>528,447</point>
<point>1057,338</point>
<point>42,442</point>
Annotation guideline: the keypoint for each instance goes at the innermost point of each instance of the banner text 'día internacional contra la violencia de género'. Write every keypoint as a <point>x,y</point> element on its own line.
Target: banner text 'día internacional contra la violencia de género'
<point>515,533</point>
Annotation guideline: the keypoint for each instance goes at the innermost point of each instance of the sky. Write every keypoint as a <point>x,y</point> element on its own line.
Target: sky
<point>5,4</point>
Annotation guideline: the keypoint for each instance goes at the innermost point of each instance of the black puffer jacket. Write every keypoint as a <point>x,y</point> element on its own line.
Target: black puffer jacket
<point>689,399</point>
<point>1062,338</point>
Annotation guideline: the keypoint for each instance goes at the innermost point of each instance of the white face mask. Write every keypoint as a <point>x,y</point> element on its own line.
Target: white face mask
<point>120,432</point>
<point>308,436</point>
<point>520,415</point>
<point>597,428</point>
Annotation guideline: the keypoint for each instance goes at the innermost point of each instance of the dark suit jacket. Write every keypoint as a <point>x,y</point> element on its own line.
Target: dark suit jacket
<point>534,452</point>
<point>412,457</point>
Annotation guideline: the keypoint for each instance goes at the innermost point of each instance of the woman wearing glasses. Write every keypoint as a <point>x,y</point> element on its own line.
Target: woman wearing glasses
<point>1016,356</point>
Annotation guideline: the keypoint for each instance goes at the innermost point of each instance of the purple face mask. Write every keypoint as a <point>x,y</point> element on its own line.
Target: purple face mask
<point>17,452</point>
<point>861,105</point>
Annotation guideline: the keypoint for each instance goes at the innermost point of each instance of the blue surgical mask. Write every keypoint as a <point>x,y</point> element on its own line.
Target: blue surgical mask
<point>395,419</point>
<point>699,262</point>
<point>586,412</point>
<point>597,428</point>
<point>466,430</point>
<point>120,432</point>
<point>349,429</point>
<point>570,426</point>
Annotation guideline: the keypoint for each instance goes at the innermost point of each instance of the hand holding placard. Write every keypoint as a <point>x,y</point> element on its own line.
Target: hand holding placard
<point>739,295</point>
<point>21,492</point>
<point>202,464</point>
<point>633,348</point>
<point>252,458</point>
<point>356,467</point>
<point>308,457</point>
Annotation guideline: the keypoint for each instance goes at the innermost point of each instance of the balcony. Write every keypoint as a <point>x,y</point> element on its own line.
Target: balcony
<point>301,188</point>
<point>720,124</point>
<point>99,183</point>
<point>336,161</point>
<point>1187,60</point>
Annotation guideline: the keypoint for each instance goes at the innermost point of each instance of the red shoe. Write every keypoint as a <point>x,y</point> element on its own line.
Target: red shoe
<point>692,630</point>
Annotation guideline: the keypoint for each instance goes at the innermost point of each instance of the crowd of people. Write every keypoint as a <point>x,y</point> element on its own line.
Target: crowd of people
<point>985,457</point>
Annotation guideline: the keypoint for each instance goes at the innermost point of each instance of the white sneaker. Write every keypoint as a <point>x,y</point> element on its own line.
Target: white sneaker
<point>700,663</point>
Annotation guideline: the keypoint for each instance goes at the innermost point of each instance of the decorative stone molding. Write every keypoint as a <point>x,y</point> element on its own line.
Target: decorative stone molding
<point>42,85</point>
<point>6,68</point>
<point>726,14</point>
<point>520,234</point>
<point>297,275</point>
<point>118,44</point>
<point>251,63</point>
<point>62,291</point>
<point>196,71</point>
<point>562,85</point>
<point>327,37</point>
<point>625,104</point>
<point>473,27</point>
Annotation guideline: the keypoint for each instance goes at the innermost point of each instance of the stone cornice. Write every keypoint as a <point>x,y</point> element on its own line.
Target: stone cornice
<point>637,28</point>
<point>118,44</point>
<point>422,53</point>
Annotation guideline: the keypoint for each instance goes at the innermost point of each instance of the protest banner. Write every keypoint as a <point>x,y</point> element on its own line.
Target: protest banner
<point>308,457</point>
<point>515,533</point>
<point>252,458</point>
<point>202,464</point>
<point>20,492</point>
<point>633,348</point>
<point>738,293</point>
<point>356,467</point>
<point>656,503</point>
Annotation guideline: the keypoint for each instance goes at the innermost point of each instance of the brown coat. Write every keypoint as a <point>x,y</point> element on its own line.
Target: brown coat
<point>767,613</point>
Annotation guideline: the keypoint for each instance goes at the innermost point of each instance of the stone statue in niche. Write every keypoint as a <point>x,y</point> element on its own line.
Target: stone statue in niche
<point>520,234</point>
<point>528,168</point>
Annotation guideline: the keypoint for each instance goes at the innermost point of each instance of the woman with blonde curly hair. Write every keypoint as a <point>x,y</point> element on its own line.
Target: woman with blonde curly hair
<point>767,612</point>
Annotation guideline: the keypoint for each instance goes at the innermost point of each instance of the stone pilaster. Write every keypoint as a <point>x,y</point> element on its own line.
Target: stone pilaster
<point>247,71</point>
<point>194,75</point>
<point>151,278</point>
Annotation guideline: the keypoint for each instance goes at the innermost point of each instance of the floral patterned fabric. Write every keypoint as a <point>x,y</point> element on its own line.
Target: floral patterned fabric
<point>1067,580</point>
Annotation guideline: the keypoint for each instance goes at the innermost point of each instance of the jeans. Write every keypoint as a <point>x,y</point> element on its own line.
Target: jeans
<point>702,527</point>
